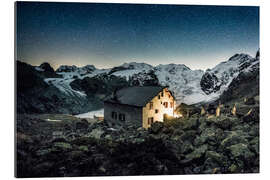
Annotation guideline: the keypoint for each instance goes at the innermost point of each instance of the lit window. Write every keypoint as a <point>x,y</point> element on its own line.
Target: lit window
<point>165,104</point>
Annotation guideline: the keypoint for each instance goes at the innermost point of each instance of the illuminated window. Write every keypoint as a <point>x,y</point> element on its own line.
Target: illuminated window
<point>165,104</point>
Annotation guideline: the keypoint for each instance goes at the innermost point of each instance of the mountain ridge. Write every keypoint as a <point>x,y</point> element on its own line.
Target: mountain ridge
<point>189,86</point>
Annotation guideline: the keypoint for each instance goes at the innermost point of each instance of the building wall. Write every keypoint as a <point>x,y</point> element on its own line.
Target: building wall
<point>133,115</point>
<point>158,103</point>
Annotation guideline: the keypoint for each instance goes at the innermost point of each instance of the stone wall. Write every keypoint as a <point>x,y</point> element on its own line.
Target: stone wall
<point>133,115</point>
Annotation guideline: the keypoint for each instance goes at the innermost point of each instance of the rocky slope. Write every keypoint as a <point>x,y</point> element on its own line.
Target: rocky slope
<point>54,145</point>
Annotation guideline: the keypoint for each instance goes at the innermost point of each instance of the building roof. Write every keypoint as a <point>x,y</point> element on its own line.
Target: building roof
<point>135,95</point>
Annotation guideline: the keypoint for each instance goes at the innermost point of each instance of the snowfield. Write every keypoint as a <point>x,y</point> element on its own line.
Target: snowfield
<point>91,114</point>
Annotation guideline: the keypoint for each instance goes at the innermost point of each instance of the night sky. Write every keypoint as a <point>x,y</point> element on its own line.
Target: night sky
<point>108,35</point>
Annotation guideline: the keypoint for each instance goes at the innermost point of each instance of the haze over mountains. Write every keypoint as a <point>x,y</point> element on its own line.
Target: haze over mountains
<point>71,89</point>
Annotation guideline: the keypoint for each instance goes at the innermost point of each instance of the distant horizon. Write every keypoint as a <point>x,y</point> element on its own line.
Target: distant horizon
<point>144,62</point>
<point>109,34</point>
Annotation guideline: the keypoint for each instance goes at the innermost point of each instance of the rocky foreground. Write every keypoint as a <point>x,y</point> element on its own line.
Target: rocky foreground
<point>62,145</point>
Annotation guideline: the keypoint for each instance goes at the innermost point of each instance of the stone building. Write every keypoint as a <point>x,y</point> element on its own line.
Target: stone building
<point>139,105</point>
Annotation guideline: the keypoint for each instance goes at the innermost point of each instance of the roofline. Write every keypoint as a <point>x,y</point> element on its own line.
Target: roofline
<point>163,87</point>
<point>121,104</point>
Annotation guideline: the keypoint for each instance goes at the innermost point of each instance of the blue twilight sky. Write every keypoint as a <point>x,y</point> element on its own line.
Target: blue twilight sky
<point>108,35</point>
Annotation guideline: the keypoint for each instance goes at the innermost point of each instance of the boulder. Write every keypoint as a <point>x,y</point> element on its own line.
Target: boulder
<point>83,124</point>
<point>240,151</point>
<point>189,135</point>
<point>191,123</point>
<point>61,146</point>
<point>210,136</point>
<point>186,147</point>
<point>156,127</point>
<point>234,137</point>
<point>197,153</point>
<point>249,101</point>
<point>96,133</point>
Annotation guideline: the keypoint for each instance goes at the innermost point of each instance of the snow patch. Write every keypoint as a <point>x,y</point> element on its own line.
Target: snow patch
<point>92,114</point>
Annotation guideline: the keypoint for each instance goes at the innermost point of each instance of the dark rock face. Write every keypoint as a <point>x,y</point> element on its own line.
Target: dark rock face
<point>208,83</point>
<point>221,76</point>
<point>100,84</point>
<point>144,79</point>
<point>246,84</point>
<point>34,95</point>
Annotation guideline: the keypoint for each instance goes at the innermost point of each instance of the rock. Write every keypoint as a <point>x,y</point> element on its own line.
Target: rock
<point>42,168</point>
<point>189,135</point>
<point>76,155</point>
<point>254,131</point>
<point>211,109</point>
<point>215,157</point>
<point>242,111</point>
<point>234,137</point>
<point>233,168</point>
<point>140,129</point>
<point>83,124</point>
<point>61,146</point>
<point>96,133</point>
<point>156,127</point>
<point>225,122</point>
<point>83,148</point>
<point>191,123</point>
<point>210,136</point>
<point>254,145</point>
<point>253,115</point>
<point>241,151</point>
<point>186,147</point>
<point>249,101</point>
<point>42,152</point>
<point>197,153</point>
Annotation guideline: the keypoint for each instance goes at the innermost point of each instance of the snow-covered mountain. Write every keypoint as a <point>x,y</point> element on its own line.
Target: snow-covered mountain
<point>189,86</point>
<point>218,79</point>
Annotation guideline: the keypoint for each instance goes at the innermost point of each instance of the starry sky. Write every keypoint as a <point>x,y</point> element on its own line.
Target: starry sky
<point>108,35</point>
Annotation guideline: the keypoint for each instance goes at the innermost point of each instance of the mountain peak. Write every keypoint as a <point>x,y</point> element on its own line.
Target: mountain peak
<point>135,65</point>
<point>46,67</point>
